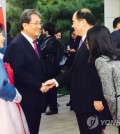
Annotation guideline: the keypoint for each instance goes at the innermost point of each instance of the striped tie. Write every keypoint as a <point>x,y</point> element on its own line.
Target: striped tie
<point>81,41</point>
<point>35,48</point>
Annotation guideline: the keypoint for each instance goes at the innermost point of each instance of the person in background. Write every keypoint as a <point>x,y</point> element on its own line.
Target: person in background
<point>87,97</point>
<point>12,119</point>
<point>116,33</point>
<point>71,48</point>
<point>116,23</point>
<point>41,37</point>
<point>51,53</point>
<point>70,51</point>
<point>9,37</point>
<point>26,61</point>
<point>58,34</point>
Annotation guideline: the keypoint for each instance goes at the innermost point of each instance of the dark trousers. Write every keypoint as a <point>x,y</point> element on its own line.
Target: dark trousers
<point>89,123</point>
<point>33,117</point>
<point>52,99</point>
<point>119,130</point>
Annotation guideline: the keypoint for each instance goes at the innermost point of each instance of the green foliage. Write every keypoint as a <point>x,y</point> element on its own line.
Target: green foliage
<point>97,7</point>
<point>58,12</point>
<point>63,91</point>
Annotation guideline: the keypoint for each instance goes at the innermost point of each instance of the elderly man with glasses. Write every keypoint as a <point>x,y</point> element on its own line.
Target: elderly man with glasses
<point>25,58</point>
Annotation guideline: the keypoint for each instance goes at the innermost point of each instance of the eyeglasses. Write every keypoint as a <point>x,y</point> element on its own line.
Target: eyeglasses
<point>37,24</point>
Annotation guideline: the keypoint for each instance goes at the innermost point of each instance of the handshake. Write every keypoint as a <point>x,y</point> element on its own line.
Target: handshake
<point>46,86</point>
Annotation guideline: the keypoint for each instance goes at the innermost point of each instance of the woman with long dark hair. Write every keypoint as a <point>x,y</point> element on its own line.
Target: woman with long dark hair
<point>103,52</point>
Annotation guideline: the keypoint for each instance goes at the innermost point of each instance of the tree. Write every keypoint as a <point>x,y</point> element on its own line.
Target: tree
<point>58,12</point>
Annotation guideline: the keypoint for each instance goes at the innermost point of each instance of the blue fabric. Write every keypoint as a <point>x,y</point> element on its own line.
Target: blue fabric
<point>7,91</point>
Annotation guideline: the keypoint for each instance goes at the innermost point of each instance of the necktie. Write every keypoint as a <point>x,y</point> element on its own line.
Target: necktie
<point>35,48</point>
<point>81,41</point>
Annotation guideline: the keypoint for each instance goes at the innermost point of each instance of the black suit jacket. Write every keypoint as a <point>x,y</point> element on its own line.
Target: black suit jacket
<point>85,83</point>
<point>116,38</point>
<point>28,72</point>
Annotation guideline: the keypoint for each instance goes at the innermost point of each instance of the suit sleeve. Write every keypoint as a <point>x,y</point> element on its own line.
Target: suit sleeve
<point>96,85</point>
<point>64,78</point>
<point>16,59</point>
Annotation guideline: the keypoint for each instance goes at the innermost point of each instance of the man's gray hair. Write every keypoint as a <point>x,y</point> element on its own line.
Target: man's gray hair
<point>26,16</point>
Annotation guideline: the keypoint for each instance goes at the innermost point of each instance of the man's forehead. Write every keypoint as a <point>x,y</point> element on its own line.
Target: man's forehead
<point>74,16</point>
<point>35,16</point>
<point>85,10</point>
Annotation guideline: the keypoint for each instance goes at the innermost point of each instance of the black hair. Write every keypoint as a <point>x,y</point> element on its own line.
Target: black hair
<point>58,31</point>
<point>87,15</point>
<point>116,21</point>
<point>26,16</point>
<point>99,43</point>
<point>50,27</point>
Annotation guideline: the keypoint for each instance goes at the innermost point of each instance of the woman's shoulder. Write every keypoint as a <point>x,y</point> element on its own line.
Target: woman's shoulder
<point>102,58</point>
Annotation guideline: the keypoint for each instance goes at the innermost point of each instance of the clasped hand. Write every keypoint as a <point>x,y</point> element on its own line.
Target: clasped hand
<point>46,86</point>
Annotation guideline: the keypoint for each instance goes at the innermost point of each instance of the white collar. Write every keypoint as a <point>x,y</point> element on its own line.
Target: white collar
<point>83,37</point>
<point>28,38</point>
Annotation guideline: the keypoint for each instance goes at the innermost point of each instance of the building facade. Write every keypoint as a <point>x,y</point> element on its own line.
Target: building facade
<point>111,11</point>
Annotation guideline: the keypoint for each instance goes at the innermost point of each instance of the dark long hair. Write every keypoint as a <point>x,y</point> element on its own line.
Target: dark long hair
<point>99,43</point>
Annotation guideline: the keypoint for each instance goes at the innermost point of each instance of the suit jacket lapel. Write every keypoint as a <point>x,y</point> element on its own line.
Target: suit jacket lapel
<point>29,47</point>
<point>80,49</point>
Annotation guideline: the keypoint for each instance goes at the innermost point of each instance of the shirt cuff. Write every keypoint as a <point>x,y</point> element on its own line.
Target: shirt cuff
<point>56,83</point>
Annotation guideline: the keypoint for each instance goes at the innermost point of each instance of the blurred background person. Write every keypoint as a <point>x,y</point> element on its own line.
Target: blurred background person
<point>116,23</point>
<point>9,37</point>
<point>58,34</point>
<point>71,47</point>
<point>116,33</point>
<point>51,52</point>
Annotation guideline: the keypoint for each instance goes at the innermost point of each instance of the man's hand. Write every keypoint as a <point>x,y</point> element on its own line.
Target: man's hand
<point>44,88</point>
<point>47,85</point>
<point>50,83</point>
<point>98,105</point>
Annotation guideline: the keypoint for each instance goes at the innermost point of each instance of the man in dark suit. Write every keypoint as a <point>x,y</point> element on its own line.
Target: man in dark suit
<point>51,53</point>
<point>25,58</point>
<point>86,90</point>
<point>116,33</point>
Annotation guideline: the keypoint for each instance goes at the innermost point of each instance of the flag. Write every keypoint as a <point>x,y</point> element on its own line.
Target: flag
<point>1,14</point>
<point>2,20</point>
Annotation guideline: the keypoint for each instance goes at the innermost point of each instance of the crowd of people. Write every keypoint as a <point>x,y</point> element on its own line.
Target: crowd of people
<point>31,71</point>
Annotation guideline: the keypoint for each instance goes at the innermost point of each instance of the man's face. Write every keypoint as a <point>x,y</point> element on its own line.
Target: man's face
<point>33,28</point>
<point>78,25</point>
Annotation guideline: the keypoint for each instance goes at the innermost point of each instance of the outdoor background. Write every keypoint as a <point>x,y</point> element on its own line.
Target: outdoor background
<point>58,12</point>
